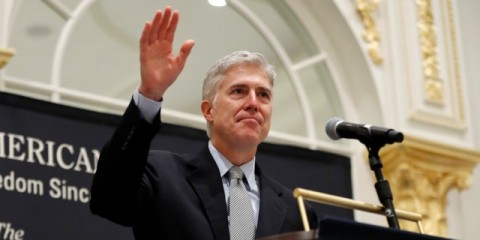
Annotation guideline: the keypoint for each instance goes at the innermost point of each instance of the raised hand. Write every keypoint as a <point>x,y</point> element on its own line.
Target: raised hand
<point>158,64</point>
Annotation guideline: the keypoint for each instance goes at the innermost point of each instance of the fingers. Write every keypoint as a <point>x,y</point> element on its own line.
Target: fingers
<point>163,26</point>
<point>172,27</point>
<point>145,35</point>
<point>155,27</point>
<point>185,50</point>
<point>165,22</point>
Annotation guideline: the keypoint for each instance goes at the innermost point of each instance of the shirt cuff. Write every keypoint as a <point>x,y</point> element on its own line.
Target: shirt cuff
<point>148,107</point>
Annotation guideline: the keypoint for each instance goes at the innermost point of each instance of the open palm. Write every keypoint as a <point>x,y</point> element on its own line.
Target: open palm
<point>158,64</point>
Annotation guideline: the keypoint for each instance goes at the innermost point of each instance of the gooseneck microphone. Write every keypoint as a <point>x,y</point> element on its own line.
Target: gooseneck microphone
<point>337,128</point>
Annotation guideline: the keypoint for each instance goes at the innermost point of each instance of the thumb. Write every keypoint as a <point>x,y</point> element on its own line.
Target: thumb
<point>185,52</point>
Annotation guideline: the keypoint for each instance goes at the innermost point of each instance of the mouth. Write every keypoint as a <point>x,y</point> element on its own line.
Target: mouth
<point>250,120</point>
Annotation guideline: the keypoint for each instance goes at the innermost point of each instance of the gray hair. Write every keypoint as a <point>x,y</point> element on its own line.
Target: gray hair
<point>216,73</point>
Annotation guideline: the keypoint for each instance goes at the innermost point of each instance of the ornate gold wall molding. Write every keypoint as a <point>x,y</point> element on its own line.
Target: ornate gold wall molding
<point>434,84</point>
<point>428,42</point>
<point>5,55</point>
<point>370,34</point>
<point>421,173</point>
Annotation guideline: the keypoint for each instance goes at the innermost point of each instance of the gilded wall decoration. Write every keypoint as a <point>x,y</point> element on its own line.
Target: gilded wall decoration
<point>428,42</point>
<point>371,35</point>
<point>432,64</point>
<point>5,55</point>
<point>421,173</point>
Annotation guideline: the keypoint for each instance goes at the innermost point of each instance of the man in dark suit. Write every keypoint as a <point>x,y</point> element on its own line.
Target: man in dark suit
<point>163,195</point>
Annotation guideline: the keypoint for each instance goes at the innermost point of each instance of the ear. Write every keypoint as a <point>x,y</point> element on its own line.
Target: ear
<point>206,107</point>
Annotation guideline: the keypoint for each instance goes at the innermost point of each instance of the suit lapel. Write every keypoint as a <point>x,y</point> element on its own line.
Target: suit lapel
<point>273,209</point>
<point>205,179</point>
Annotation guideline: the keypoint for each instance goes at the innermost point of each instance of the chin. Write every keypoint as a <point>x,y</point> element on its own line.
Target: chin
<point>257,138</point>
<point>250,138</point>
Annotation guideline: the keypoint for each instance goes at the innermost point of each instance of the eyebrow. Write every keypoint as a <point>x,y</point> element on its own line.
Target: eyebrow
<point>268,90</point>
<point>242,85</point>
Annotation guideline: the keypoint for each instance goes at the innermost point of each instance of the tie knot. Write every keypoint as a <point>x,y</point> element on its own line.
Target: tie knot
<point>235,173</point>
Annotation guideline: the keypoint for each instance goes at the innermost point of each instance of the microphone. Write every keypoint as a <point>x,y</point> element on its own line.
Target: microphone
<point>337,128</point>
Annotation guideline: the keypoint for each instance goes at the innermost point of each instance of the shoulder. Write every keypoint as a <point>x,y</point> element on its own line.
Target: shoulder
<point>168,161</point>
<point>164,158</point>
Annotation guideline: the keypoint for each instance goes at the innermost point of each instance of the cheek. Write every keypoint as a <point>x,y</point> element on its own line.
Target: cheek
<point>222,113</point>
<point>267,113</point>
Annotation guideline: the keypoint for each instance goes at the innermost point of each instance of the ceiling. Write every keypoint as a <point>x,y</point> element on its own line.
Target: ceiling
<point>93,53</point>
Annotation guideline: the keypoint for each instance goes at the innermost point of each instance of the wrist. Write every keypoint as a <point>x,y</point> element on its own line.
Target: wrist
<point>153,95</point>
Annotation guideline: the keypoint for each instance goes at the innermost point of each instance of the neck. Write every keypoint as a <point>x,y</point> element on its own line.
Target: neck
<point>234,154</point>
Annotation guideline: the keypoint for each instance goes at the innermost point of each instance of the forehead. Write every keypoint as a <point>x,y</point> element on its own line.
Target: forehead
<point>246,75</point>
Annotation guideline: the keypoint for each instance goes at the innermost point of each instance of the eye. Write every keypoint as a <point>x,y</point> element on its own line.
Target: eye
<point>265,94</point>
<point>237,91</point>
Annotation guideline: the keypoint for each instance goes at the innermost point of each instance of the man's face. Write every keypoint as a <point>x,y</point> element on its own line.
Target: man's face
<point>241,112</point>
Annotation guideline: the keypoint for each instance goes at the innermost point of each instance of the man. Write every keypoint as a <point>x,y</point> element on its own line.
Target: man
<point>163,195</point>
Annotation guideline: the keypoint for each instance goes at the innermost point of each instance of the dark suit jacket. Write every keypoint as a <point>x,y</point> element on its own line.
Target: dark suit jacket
<point>163,195</point>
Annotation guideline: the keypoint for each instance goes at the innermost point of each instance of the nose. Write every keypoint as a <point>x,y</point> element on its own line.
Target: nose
<point>252,103</point>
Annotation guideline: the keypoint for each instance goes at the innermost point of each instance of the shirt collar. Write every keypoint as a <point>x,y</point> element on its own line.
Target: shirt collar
<point>224,165</point>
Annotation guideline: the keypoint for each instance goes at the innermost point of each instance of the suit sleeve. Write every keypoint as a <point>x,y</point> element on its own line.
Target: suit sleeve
<point>117,189</point>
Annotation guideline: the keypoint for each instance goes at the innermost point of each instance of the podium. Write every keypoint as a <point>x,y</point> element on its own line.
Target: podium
<point>335,229</point>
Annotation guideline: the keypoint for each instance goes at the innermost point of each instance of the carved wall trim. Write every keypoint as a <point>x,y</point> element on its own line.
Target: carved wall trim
<point>432,64</point>
<point>5,55</point>
<point>421,173</point>
<point>428,41</point>
<point>455,61</point>
<point>371,35</point>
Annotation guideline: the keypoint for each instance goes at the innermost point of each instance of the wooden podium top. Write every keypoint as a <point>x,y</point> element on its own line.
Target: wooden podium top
<point>334,228</point>
<point>299,235</point>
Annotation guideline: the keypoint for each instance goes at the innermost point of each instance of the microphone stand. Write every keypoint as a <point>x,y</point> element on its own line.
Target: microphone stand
<point>373,138</point>
<point>382,186</point>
